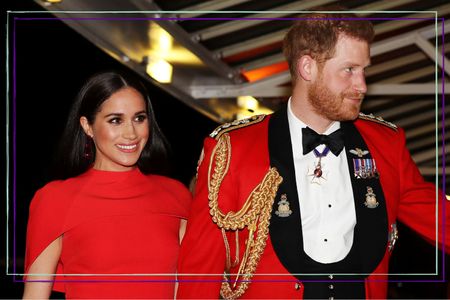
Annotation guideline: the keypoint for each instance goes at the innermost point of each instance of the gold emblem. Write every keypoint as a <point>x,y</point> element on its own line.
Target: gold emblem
<point>371,200</point>
<point>283,207</point>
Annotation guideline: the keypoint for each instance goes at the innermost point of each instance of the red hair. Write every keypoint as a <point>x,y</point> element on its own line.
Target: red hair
<point>318,34</point>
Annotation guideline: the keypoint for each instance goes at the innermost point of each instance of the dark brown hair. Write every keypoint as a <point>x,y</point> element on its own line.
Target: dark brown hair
<point>317,34</point>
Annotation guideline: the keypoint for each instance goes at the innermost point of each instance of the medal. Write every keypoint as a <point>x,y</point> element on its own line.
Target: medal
<point>317,174</point>
<point>371,200</point>
<point>318,170</point>
<point>364,168</point>
<point>283,207</point>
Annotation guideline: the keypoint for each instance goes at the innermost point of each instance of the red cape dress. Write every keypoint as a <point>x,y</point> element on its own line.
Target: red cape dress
<point>120,233</point>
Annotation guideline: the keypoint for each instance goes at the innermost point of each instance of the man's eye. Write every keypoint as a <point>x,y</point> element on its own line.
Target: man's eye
<point>349,69</point>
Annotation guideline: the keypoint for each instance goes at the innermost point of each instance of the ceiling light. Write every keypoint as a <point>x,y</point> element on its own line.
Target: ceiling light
<point>160,40</point>
<point>247,102</point>
<point>249,106</point>
<point>159,69</point>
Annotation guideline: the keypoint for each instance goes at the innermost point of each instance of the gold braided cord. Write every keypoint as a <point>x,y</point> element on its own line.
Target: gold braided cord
<point>236,255</point>
<point>227,250</point>
<point>255,215</point>
<point>221,153</point>
<point>264,198</point>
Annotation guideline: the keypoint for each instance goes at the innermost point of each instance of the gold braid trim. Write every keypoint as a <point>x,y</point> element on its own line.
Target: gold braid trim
<point>378,119</point>
<point>255,215</point>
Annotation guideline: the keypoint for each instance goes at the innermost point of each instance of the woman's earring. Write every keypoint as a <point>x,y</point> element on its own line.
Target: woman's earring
<point>88,148</point>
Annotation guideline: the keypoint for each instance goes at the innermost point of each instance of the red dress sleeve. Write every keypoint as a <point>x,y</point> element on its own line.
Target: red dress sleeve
<point>48,210</point>
<point>178,198</point>
<point>183,199</point>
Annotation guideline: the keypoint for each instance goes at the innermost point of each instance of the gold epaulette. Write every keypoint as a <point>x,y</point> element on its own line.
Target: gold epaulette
<point>235,125</point>
<point>377,119</point>
<point>254,215</point>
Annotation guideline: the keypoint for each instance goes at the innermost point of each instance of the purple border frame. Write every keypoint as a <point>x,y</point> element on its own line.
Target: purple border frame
<point>216,19</point>
<point>15,19</point>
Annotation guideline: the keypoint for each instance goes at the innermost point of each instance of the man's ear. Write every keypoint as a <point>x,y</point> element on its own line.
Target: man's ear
<point>306,68</point>
<point>86,126</point>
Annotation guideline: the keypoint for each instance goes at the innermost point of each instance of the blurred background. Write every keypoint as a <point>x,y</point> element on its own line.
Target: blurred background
<point>213,68</point>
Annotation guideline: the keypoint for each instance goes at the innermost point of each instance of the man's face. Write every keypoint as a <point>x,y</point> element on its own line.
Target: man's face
<point>338,90</point>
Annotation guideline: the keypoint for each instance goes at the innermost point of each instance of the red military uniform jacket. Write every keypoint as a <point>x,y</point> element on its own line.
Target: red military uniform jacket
<point>234,171</point>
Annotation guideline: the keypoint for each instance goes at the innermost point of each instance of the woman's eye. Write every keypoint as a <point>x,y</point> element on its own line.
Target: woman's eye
<point>115,121</point>
<point>349,69</point>
<point>140,118</point>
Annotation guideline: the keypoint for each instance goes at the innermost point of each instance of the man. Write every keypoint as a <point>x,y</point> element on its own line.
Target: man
<point>303,203</point>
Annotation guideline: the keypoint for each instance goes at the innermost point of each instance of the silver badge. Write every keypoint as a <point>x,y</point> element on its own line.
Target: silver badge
<point>371,200</point>
<point>283,207</point>
<point>393,237</point>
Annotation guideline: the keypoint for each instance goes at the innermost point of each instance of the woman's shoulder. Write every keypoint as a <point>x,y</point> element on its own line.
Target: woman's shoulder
<point>59,186</point>
<point>49,189</point>
<point>171,186</point>
<point>168,183</point>
<point>54,194</point>
<point>176,195</point>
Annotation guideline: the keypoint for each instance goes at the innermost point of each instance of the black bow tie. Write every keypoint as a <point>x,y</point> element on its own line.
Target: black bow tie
<point>311,139</point>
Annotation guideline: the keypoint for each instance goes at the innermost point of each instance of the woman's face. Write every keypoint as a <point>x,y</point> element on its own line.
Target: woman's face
<point>120,131</point>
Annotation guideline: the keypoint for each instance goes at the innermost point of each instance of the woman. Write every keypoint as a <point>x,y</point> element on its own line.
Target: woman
<point>110,216</point>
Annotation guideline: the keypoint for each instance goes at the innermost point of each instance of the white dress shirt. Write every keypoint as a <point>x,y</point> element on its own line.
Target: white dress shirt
<point>326,204</point>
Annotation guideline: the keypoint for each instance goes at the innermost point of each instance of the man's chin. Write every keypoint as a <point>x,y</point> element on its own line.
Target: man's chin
<point>349,115</point>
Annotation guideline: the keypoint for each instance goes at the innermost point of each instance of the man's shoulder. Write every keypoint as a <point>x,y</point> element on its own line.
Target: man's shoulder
<point>238,125</point>
<point>372,119</point>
